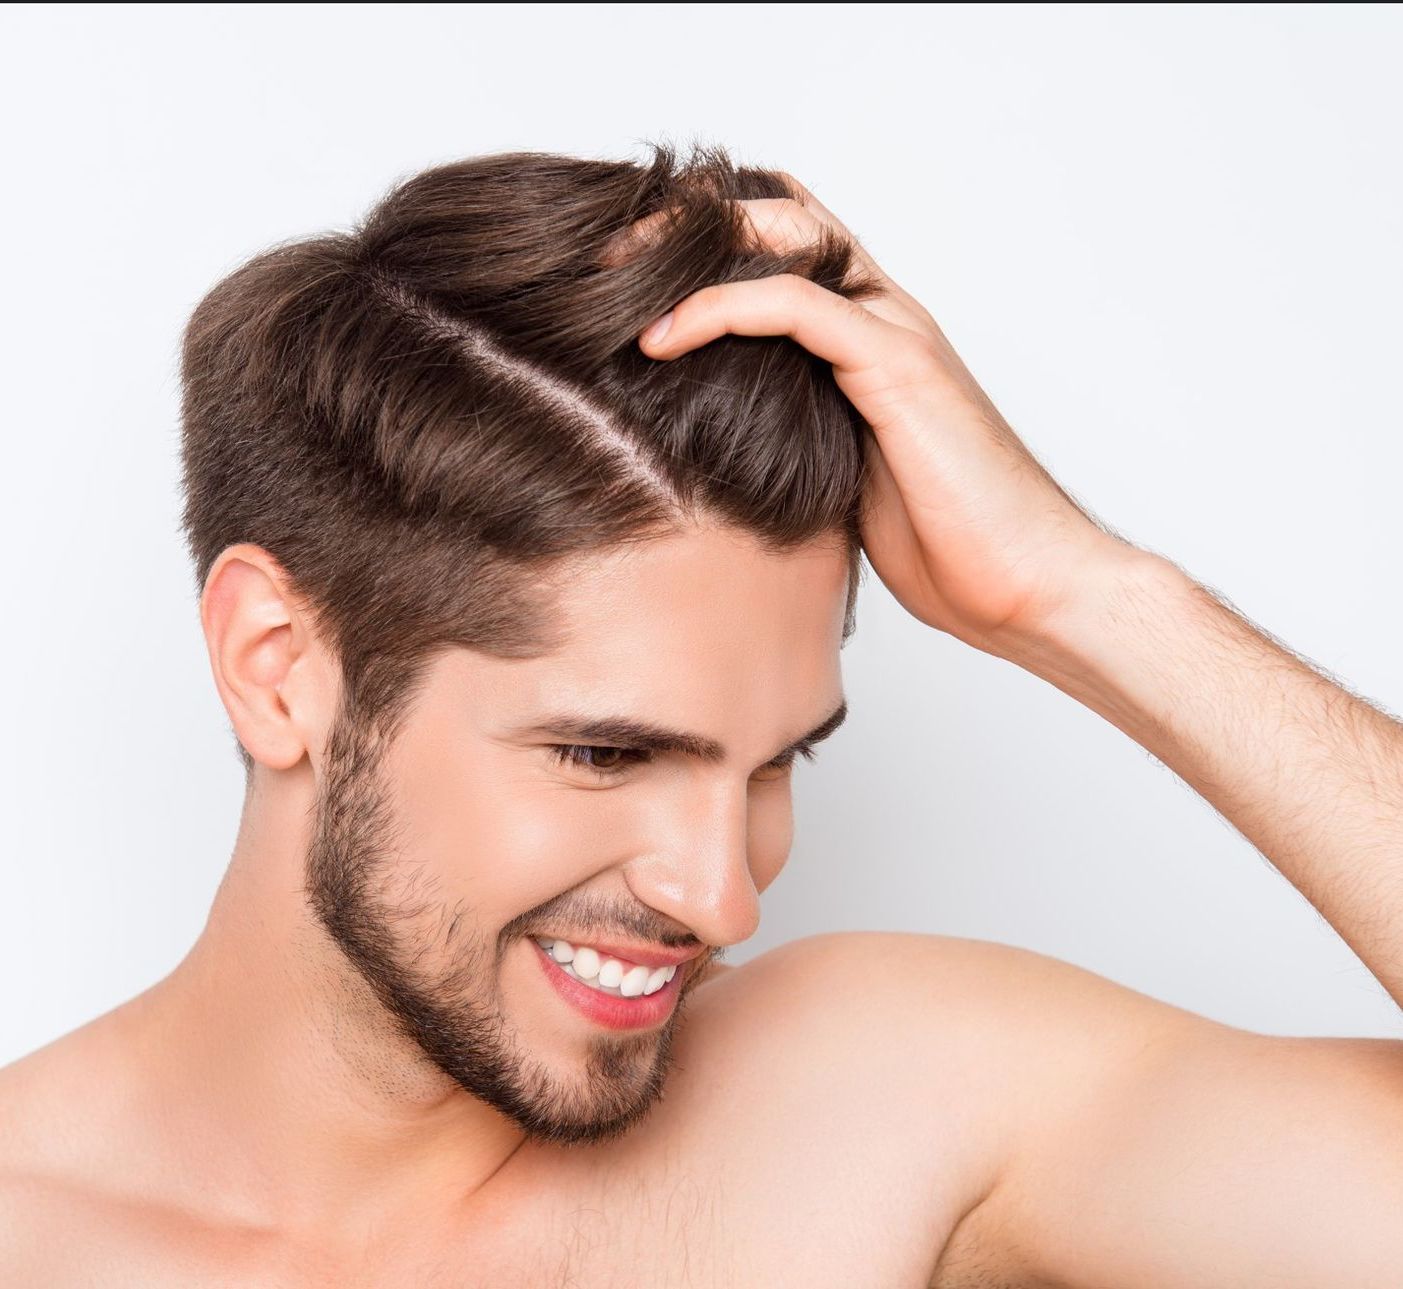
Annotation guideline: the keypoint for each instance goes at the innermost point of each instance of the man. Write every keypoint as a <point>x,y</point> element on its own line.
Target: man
<point>521,626</point>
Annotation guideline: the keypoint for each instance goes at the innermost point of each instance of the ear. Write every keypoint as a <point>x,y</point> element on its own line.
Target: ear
<point>273,678</point>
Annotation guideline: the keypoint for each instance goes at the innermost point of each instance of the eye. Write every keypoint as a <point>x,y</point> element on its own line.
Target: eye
<point>603,761</point>
<point>607,762</point>
<point>780,767</point>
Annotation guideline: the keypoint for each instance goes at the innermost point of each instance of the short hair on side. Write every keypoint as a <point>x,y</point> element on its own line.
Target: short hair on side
<point>424,418</point>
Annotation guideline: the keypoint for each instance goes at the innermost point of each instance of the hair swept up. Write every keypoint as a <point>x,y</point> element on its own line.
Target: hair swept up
<point>421,417</point>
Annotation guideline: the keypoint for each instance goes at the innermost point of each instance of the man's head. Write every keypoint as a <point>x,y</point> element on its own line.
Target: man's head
<point>438,501</point>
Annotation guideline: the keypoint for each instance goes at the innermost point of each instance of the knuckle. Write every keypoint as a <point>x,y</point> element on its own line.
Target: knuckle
<point>796,292</point>
<point>913,358</point>
<point>703,300</point>
<point>856,309</point>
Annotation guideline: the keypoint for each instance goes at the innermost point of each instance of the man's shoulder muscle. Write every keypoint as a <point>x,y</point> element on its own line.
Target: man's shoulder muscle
<point>925,1057</point>
<point>1105,1136</point>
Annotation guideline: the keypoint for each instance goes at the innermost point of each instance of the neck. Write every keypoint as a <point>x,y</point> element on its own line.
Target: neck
<point>311,1109</point>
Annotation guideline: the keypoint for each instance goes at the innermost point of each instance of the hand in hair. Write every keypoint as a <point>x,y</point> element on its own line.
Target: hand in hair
<point>964,526</point>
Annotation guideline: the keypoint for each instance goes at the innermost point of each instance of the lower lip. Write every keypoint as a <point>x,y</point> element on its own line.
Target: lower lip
<point>606,1009</point>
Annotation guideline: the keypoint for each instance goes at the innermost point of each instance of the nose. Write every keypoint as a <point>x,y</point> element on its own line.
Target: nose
<point>699,871</point>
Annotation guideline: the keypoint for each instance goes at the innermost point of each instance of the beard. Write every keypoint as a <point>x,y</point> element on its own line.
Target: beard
<point>377,908</point>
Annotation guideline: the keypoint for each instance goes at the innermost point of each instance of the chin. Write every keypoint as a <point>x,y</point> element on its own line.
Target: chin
<point>598,1098</point>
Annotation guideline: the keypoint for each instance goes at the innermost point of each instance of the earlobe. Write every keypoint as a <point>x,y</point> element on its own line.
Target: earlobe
<point>263,667</point>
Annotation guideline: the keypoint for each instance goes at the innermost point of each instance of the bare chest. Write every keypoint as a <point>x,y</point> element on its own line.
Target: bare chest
<point>703,1223</point>
<point>698,1225</point>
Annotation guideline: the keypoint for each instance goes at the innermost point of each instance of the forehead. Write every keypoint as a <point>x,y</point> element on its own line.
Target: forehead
<point>695,624</point>
<point>709,584</point>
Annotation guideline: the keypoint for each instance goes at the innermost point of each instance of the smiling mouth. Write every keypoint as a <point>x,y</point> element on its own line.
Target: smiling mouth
<point>596,970</point>
<point>609,1006</point>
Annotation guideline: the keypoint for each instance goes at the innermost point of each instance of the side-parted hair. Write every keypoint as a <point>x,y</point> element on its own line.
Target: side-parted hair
<point>424,418</point>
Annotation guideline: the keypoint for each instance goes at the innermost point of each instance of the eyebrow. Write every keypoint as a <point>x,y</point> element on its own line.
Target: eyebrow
<point>624,731</point>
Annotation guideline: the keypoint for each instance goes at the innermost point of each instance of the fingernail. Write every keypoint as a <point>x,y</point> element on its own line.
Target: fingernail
<point>658,329</point>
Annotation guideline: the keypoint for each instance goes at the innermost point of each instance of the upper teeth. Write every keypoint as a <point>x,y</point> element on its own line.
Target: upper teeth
<point>608,975</point>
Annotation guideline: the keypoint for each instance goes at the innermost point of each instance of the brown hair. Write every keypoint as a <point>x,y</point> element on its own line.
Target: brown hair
<point>423,417</point>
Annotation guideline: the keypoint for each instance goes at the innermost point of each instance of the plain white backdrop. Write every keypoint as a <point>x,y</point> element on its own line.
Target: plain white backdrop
<point>1165,238</point>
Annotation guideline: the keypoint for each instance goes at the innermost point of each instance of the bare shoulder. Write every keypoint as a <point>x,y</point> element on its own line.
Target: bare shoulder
<point>58,1102</point>
<point>34,1129</point>
<point>1005,1031</point>
<point>924,1058</point>
<point>37,1201</point>
<point>977,999</point>
<point>68,1147</point>
<point>1069,1129</point>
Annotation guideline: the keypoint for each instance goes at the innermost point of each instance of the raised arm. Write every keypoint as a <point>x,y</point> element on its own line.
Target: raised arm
<point>1309,773</point>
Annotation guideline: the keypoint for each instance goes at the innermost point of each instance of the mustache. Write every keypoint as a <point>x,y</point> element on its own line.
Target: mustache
<point>602,920</point>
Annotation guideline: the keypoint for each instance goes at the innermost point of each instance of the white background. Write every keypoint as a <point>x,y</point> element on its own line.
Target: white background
<point>1166,239</point>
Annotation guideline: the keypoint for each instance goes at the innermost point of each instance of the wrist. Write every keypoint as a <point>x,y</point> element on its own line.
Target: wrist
<point>1116,642</point>
<point>1118,589</point>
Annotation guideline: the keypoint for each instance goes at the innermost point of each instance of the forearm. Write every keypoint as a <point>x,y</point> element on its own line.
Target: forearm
<point>1308,773</point>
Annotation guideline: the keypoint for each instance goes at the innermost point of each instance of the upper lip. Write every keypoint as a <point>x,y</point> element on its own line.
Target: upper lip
<point>640,954</point>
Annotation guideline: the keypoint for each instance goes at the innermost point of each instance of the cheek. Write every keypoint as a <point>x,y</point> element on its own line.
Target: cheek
<point>490,833</point>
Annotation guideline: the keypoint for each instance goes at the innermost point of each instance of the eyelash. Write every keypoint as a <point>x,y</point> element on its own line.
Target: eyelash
<point>564,754</point>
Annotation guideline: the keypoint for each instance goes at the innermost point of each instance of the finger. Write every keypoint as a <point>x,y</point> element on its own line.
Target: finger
<point>810,203</point>
<point>854,339</point>
<point>784,225</point>
<point>806,198</point>
<point>631,239</point>
<point>780,223</point>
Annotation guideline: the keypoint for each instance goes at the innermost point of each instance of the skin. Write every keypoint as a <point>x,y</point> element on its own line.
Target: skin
<point>370,1082</point>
